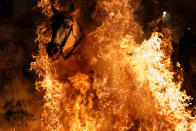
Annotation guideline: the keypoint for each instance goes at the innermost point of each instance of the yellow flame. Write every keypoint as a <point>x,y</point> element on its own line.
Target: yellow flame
<point>153,68</point>
<point>133,87</point>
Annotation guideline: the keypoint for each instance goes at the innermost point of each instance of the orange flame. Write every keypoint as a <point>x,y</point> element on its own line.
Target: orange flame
<point>153,68</point>
<point>133,87</point>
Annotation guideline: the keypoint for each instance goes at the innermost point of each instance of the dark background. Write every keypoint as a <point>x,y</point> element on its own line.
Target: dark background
<point>19,100</point>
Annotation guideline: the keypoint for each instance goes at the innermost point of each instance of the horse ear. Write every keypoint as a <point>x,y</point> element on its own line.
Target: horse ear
<point>74,12</point>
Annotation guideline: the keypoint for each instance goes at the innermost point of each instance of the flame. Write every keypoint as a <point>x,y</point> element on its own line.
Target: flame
<point>133,87</point>
<point>153,67</point>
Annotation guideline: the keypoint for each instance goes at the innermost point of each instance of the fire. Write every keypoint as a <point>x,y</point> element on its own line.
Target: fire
<point>133,86</point>
<point>153,66</point>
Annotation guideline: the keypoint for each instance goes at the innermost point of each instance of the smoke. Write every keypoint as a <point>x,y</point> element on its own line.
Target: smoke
<point>180,15</point>
<point>20,105</point>
<point>19,101</point>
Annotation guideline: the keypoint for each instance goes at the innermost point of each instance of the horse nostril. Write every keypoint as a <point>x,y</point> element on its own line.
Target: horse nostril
<point>52,49</point>
<point>55,50</point>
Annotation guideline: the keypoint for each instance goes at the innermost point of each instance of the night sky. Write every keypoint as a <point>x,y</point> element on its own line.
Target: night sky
<point>19,101</point>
